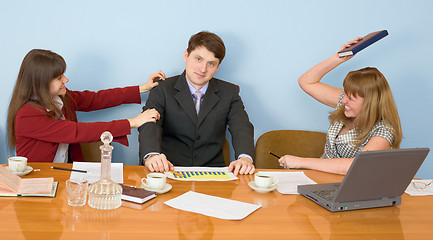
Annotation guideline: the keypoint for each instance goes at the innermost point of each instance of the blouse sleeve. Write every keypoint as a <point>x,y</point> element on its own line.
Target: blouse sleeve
<point>340,98</point>
<point>384,131</point>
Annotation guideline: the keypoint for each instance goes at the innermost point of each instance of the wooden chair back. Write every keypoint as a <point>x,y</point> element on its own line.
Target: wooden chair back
<point>288,142</point>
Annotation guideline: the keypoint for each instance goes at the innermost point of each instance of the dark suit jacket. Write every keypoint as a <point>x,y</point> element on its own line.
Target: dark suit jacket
<point>190,140</point>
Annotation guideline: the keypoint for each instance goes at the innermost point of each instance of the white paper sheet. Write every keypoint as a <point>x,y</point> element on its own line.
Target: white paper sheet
<point>201,174</point>
<point>94,171</point>
<point>288,181</point>
<point>212,206</point>
<point>413,191</point>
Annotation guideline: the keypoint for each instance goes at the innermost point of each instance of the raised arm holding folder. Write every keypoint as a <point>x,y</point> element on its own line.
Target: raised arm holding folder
<point>363,43</point>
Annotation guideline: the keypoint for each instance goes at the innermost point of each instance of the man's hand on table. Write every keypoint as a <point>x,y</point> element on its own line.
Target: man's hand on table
<point>158,163</point>
<point>243,165</point>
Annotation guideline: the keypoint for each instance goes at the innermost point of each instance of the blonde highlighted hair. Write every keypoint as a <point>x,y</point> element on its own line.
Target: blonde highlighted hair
<point>370,84</point>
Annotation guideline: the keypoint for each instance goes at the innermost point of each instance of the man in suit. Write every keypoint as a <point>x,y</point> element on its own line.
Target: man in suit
<point>195,109</point>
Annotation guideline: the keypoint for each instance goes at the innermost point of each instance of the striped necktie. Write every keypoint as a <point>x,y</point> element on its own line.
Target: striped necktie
<point>197,100</point>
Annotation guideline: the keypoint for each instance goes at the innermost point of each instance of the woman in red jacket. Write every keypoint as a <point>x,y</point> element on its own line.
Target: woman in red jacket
<point>42,123</point>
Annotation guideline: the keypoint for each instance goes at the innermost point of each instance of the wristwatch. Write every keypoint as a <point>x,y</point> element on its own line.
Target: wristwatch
<point>147,157</point>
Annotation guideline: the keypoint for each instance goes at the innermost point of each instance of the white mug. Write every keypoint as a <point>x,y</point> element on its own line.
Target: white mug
<point>263,180</point>
<point>17,164</point>
<point>154,181</point>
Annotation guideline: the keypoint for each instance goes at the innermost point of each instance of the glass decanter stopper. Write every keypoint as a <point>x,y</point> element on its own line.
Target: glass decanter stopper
<point>105,194</point>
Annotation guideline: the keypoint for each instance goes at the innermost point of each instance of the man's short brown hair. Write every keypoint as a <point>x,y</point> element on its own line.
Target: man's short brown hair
<point>209,40</point>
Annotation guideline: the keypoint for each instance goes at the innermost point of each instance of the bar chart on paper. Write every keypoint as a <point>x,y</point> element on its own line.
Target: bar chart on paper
<point>200,174</point>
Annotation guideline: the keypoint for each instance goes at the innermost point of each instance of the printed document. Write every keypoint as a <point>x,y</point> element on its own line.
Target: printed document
<point>288,181</point>
<point>201,174</point>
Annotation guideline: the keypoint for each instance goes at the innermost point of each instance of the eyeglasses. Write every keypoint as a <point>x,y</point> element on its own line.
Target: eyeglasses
<point>421,185</point>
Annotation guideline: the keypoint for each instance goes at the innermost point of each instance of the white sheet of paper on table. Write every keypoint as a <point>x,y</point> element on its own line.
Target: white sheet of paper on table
<point>413,191</point>
<point>212,206</point>
<point>94,171</point>
<point>288,181</point>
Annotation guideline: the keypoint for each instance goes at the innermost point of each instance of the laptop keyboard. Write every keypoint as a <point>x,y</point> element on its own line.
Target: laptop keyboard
<point>326,194</point>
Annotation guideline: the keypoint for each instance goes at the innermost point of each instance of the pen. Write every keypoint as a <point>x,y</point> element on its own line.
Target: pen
<point>68,169</point>
<point>274,155</point>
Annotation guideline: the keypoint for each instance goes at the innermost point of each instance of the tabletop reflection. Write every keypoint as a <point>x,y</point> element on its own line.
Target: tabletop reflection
<point>194,226</point>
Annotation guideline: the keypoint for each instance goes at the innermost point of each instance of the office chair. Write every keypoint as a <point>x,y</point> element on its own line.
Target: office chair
<point>91,151</point>
<point>226,152</point>
<point>288,142</point>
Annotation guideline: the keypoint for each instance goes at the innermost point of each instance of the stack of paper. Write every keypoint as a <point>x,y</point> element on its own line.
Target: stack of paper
<point>416,191</point>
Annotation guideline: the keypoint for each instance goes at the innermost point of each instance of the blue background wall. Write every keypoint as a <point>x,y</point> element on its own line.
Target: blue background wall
<point>269,45</point>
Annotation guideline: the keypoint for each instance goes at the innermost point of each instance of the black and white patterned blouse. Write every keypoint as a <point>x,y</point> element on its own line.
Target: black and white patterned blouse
<point>343,146</point>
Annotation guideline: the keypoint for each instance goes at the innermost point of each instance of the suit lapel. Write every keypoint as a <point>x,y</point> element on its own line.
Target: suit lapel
<point>184,98</point>
<point>209,101</point>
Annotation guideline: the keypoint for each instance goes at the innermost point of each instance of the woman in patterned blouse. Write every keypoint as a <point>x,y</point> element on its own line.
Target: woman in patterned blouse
<point>365,118</point>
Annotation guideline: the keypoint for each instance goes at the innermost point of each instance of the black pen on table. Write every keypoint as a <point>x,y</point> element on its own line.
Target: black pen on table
<point>68,169</point>
<point>275,155</point>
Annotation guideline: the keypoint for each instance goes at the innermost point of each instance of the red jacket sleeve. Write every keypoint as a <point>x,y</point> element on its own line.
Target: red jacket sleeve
<point>34,122</point>
<point>90,101</point>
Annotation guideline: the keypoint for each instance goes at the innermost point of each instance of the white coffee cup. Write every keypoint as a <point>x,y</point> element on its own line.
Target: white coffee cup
<point>17,164</point>
<point>263,180</point>
<point>154,181</point>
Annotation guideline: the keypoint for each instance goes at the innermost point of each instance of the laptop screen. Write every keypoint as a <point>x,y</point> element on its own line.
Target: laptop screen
<point>380,174</point>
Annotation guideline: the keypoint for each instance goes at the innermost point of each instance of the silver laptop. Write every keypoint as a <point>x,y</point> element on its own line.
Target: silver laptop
<point>375,179</point>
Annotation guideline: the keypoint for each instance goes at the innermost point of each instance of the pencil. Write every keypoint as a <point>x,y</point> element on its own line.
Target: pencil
<point>68,169</point>
<point>274,155</point>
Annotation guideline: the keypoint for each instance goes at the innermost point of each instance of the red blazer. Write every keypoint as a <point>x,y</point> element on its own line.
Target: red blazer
<point>38,136</point>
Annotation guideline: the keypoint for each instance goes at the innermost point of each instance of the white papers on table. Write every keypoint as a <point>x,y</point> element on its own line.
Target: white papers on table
<point>201,174</point>
<point>212,206</point>
<point>288,181</point>
<point>94,171</point>
<point>414,191</point>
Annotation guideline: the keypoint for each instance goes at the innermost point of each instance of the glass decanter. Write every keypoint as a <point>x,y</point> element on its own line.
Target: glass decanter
<point>105,194</point>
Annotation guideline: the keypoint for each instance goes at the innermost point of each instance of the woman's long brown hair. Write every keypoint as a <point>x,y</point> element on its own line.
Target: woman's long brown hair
<point>38,69</point>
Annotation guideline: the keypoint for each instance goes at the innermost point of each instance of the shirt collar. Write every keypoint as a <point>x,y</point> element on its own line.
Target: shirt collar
<point>193,90</point>
<point>56,99</point>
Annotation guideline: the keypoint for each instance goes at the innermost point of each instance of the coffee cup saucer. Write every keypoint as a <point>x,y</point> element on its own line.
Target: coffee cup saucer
<point>253,185</point>
<point>167,187</point>
<point>23,173</point>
